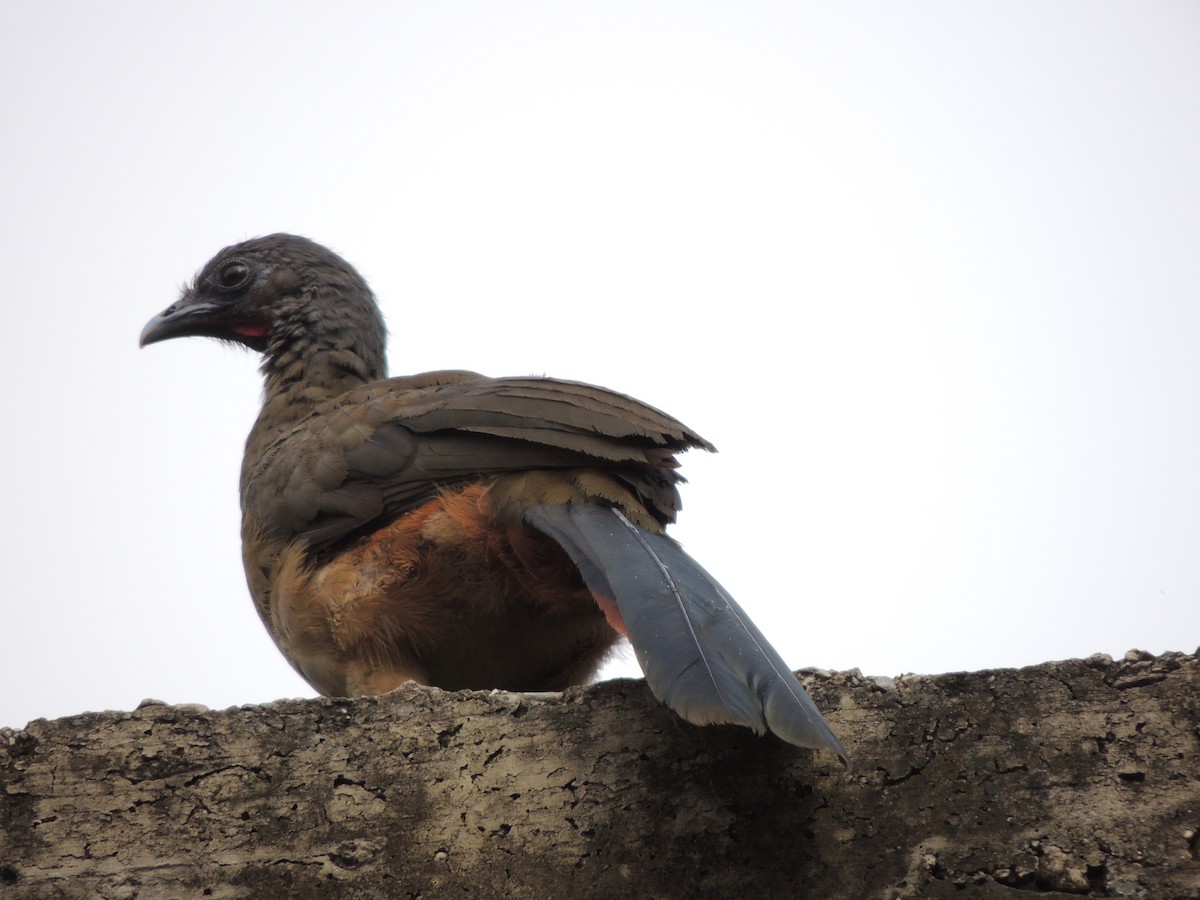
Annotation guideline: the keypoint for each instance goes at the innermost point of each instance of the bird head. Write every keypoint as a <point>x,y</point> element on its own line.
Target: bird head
<point>269,293</point>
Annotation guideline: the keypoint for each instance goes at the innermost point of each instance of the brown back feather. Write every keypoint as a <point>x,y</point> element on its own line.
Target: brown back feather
<point>361,459</point>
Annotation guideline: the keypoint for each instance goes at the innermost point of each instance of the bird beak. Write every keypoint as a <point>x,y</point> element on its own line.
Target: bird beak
<point>187,316</point>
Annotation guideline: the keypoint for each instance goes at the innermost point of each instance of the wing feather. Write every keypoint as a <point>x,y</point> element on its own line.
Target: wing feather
<point>370,455</point>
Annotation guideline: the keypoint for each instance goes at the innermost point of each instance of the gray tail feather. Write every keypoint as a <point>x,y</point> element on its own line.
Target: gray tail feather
<point>701,654</point>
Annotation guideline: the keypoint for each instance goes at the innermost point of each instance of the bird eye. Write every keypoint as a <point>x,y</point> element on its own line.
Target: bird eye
<point>232,276</point>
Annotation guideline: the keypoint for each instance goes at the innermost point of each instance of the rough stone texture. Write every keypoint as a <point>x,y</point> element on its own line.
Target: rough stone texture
<point>1070,778</point>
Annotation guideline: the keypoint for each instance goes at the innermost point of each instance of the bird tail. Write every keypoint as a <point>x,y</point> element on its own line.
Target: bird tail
<point>701,654</point>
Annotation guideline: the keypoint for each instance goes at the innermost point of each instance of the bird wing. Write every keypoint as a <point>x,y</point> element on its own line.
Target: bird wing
<point>370,455</point>
<point>701,654</point>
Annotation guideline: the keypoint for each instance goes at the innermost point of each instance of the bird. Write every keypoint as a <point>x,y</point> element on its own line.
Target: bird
<point>459,530</point>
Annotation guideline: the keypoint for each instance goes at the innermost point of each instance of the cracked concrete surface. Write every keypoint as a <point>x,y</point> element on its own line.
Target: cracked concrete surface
<point>1076,778</point>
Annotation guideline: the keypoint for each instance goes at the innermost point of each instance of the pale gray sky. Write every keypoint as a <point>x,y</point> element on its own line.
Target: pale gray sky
<point>927,273</point>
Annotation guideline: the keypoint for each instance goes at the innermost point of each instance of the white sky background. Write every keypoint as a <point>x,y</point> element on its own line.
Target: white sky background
<point>927,273</point>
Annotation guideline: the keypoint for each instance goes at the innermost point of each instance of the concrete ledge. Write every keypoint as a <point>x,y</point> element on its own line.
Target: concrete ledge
<point>1073,778</point>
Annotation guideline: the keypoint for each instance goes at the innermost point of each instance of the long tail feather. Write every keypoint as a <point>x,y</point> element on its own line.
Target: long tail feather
<point>701,654</point>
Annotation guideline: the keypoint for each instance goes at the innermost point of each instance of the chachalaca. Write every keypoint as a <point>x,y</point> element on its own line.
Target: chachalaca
<point>459,530</point>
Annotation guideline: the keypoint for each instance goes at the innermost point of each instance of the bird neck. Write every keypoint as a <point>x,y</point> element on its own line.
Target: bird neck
<point>299,377</point>
<point>308,363</point>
